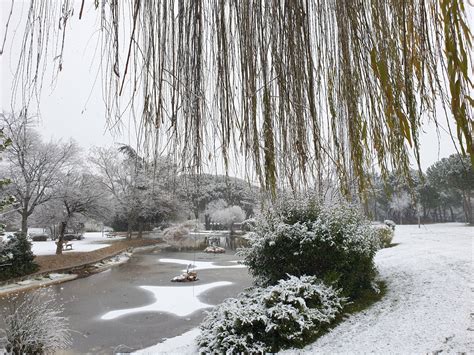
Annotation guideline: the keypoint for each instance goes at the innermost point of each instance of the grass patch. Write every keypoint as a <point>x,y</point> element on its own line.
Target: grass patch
<point>367,299</point>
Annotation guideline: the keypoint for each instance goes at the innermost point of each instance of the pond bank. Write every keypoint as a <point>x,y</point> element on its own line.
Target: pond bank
<point>55,269</point>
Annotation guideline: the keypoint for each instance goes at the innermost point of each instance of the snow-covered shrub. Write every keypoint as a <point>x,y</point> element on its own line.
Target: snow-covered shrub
<point>5,256</point>
<point>175,232</point>
<point>248,225</point>
<point>16,257</point>
<point>215,205</point>
<point>389,223</point>
<point>179,237</point>
<point>34,325</point>
<point>301,237</point>
<point>228,216</point>
<point>384,235</point>
<point>268,319</point>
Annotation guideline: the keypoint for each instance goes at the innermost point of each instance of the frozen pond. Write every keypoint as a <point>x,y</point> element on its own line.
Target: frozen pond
<point>135,305</point>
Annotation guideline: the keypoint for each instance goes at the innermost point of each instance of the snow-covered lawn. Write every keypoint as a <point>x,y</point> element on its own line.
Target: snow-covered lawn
<point>89,243</point>
<point>427,308</point>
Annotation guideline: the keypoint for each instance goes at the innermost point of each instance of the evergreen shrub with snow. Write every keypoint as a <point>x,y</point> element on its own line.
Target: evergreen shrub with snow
<point>301,237</point>
<point>16,257</point>
<point>34,325</point>
<point>267,319</point>
<point>384,235</point>
<point>389,223</point>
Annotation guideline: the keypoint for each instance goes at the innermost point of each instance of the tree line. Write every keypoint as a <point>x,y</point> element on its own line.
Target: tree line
<point>444,193</point>
<point>56,185</point>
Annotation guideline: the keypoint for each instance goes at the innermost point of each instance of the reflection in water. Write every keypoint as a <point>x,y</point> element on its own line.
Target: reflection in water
<point>228,241</point>
<point>202,265</point>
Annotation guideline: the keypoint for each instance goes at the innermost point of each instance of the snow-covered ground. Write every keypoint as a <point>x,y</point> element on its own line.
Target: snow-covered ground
<point>34,282</point>
<point>428,306</point>
<point>89,243</point>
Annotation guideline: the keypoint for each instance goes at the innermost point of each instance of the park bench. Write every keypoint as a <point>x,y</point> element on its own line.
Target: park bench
<point>66,245</point>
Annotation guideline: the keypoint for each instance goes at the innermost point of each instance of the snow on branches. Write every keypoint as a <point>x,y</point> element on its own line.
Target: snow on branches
<point>268,319</point>
<point>34,325</point>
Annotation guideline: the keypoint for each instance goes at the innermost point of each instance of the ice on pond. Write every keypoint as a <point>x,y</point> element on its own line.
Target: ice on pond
<point>203,265</point>
<point>179,300</point>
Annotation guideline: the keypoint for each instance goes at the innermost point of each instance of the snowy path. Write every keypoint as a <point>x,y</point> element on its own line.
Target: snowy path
<point>427,308</point>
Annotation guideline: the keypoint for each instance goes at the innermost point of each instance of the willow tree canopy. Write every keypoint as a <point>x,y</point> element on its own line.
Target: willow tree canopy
<point>298,88</point>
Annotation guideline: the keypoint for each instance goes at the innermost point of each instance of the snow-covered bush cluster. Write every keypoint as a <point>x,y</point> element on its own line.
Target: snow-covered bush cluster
<point>389,223</point>
<point>268,319</point>
<point>34,325</point>
<point>301,237</point>
<point>16,257</point>
<point>384,235</point>
<point>180,237</point>
<point>229,215</point>
<point>175,232</point>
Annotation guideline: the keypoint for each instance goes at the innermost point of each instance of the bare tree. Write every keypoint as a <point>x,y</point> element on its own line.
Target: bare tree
<point>5,199</point>
<point>140,188</point>
<point>78,194</point>
<point>33,166</point>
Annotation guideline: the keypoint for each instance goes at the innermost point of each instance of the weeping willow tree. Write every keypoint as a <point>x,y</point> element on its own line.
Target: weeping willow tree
<point>293,89</point>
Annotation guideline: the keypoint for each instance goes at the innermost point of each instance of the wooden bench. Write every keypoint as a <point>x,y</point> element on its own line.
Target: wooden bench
<point>66,245</point>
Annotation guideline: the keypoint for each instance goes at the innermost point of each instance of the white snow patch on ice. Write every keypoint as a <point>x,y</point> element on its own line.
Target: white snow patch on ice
<point>202,265</point>
<point>179,300</point>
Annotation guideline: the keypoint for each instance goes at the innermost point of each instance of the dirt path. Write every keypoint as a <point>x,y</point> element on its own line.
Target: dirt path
<point>68,260</point>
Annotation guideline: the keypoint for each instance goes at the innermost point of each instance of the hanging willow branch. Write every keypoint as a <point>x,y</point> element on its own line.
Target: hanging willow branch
<point>297,88</point>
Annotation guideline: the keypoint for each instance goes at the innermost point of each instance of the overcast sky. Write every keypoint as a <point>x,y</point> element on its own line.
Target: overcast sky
<point>74,108</point>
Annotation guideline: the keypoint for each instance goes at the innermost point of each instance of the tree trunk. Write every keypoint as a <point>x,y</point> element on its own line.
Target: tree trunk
<point>24,223</point>
<point>140,229</point>
<point>59,243</point>
<point>207,222</point>
<point>130,228</point>
<point>367,209</point>
<point>470,218</point>
<point>452,213</point>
